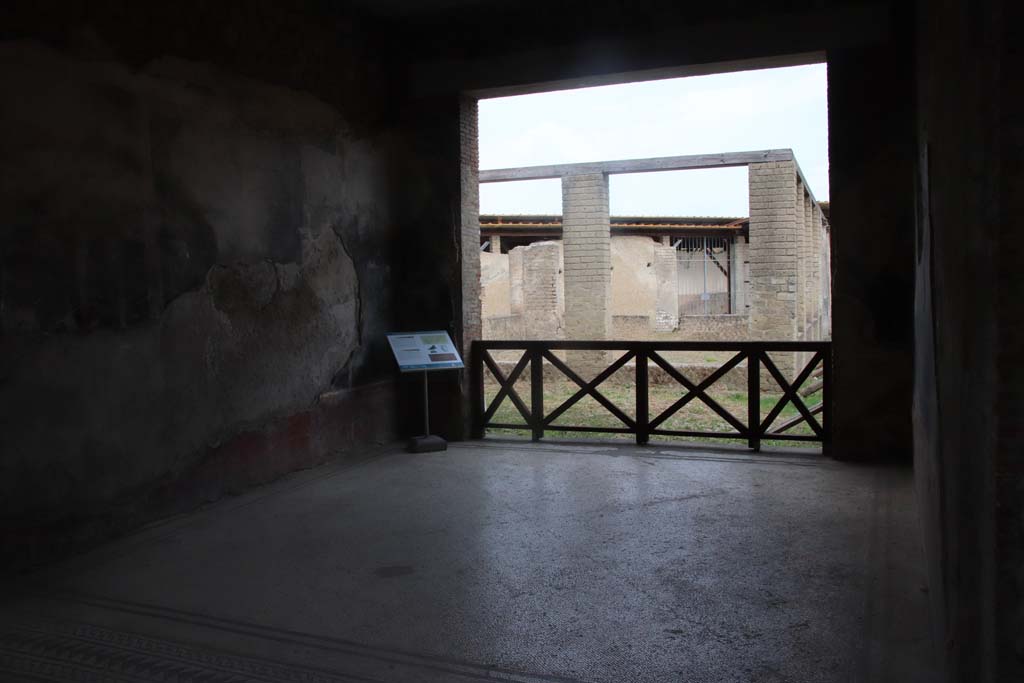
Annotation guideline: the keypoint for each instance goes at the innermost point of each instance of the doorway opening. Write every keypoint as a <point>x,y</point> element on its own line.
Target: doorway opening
<point>721,258</point>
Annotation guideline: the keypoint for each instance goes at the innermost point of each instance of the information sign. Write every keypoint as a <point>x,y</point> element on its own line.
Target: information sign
<point>417,351</point>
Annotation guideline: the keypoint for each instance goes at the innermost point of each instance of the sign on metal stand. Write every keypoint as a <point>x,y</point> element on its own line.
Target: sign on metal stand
<point>425,352</point>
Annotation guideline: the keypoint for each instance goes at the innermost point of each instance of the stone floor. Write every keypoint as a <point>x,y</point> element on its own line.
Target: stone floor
<point>502,561</point>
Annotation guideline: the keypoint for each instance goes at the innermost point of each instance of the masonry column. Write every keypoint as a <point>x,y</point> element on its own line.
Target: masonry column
<point>773,255</point>
<point>801,262</point>
<point>542,315</point>
<point>812,327</point>
<point>586,240</point>
<point>666,303</point>
<point>738,271</point>
<point>515,280</point>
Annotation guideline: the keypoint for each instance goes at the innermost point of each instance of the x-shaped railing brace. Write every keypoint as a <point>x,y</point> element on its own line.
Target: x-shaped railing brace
<point>506,386</point>
<point>791,394</point>
<point>698,391</point>
<point>589,388</point>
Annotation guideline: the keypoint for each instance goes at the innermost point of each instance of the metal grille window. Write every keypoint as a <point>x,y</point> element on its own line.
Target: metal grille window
<point>704,274</point>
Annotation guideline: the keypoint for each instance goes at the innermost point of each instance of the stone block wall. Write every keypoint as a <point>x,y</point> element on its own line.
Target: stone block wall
<point>728,327</point>
<point>543,303</point>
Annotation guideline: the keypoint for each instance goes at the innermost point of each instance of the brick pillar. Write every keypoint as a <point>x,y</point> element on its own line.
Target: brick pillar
<point>739,273</point>
<point>469,227</point>
<point>586,238</point>
<point>666,302</point>
<point>800,290</point>
<point>812,326</point>
<point>515,280</point>
<point>824,273</point>
<point>541,306</point>
<point>773,254</point>
<point>496,244</point>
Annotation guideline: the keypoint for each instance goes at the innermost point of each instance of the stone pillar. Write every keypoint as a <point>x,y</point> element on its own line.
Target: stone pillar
<point>666,303</point>
<point>586,238</point>
<point>515,280</point>
<point>773,254</point>
<point>496,244</point>
<point>812,325</point>
<point>739,273</point>
<point>542,267</point>
<point>666,240</point>
<point>469,227</point>
<point>799,215</point>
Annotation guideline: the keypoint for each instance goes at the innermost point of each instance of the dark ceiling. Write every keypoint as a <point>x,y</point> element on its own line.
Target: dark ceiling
<point>415,8</point>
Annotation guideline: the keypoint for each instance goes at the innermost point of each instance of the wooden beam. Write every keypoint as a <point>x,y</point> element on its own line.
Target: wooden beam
<point>682,163</point>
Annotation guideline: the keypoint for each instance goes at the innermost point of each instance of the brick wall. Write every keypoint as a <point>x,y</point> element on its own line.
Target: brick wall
<point>586,238</point>
<point>772,253</point>
<point>470,222</point>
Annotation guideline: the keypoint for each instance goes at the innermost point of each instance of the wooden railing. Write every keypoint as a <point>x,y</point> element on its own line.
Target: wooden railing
<point>748,357</point>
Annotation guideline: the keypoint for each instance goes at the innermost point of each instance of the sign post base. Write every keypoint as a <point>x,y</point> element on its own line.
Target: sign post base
<point>427,444</point>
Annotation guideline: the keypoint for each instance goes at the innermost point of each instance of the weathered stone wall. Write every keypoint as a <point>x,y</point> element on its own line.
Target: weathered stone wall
<point>495,285</point>
<point>727,327</point>
<point>775,269</point>
<point>773,250</point>
<point>644,287</point>
<point>194,265</point>
<point>543,302</point>
<point>666,305</point>
<point>740,273</point>
<point>631,327</point>
<point>634,283</point>
<point>505,327</point>
<point>515,274</point>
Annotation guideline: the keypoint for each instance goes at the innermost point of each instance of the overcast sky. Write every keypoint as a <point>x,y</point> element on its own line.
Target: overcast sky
<point>750,110</point>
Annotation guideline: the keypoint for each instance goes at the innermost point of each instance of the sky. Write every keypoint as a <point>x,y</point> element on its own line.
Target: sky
<point>734,112</point>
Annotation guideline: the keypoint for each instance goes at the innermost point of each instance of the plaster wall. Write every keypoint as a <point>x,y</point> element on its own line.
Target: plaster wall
<point>666,305</point>
<point>186,254</point>
<point>634,282</point>
<point>968,332</point>
<point>496,284</point>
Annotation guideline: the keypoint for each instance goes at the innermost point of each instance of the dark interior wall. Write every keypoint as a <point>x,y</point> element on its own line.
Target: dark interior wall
<point>871,162</point>
<point>197,243</point>
<point>968,334</point>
